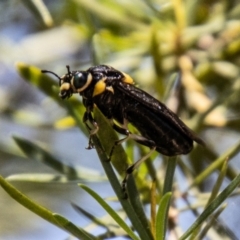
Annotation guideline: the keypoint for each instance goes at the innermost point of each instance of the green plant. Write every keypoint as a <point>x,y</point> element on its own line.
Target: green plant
<point>202,41</point>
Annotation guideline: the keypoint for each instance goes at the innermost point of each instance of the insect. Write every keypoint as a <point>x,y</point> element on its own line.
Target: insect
<point>114,93</point>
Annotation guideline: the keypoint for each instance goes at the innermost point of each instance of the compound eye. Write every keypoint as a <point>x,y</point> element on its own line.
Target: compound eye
<point>80,79</point>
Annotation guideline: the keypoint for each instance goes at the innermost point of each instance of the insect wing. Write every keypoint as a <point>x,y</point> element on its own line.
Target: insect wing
<point>158,122</point>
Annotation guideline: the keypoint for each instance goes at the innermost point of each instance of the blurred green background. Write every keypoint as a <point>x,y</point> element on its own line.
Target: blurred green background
<point>151,41</point>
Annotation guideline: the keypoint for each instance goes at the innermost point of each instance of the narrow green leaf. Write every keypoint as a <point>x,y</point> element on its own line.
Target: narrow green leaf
<point>92,217</point>
<point>212,206</point>
<point>34,76</point>
<point>40,11</point>
<point>37,177</point>
<point>213,219</point>
<point>33,151</point>
<point>162,216</point>
<point>213,194</point>
<point>119,160</point>
<point>157,59</point>
<point>171,165</point>
<point>108,136</point>
<point>136,203</point>
<point>231,152</point>
<point>41,211</point>
<point>153,204</point>
<point>44,83</point>
<point>70,227</point>
<point>192,7</point>
<point>110,211</point>
<point>108,15</point>
<point>219,181</point>
<point>140,225</point>
<point>27,202</point>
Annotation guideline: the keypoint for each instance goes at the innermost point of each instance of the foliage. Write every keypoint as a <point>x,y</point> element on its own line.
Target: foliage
<point>151,41</point>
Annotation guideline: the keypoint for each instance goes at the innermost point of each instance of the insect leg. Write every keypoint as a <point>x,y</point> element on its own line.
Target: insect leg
<point>144,141</point>
<point>88,117</point>
<point>120,130</point>
<point>132,167</point>
<point>138,138</point>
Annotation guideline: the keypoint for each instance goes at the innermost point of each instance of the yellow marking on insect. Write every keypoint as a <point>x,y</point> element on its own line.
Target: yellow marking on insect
<point>127,79</point>
<point>110,89</point>
<point>65,86</point>
<point>72,85</point>
<point>99,87</point>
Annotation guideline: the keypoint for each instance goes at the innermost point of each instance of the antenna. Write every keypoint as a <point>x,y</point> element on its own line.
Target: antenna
<point>46,71</point>
<point>68,68</point>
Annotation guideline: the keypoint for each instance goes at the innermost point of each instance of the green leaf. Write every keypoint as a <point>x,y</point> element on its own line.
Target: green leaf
<point>231,152</point>
<point>138,222</point>
<point>214,193</point>
<point>212,221</point>
<point>162,216</point>
<point>119,159</point>
<point>110,211</point>
<point>35,152</point>
<point>40,11</point>
<point>44,83</point>
<point>26,202</point>
<point>70,227</point>
<point>37,177</point>
<point>107,14</point>
<point>44,213</point>
<point>219,181</point>
<point>92,217</point>
<point>168,181</point>
<point>34,76</point>
<point>108,136</point>
<point>212,206</point>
